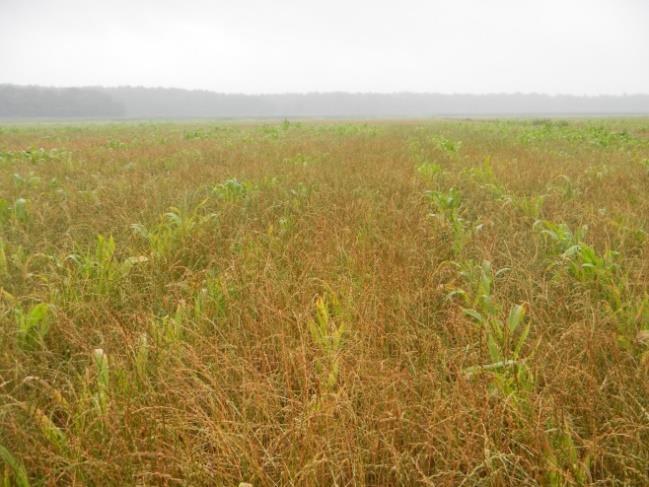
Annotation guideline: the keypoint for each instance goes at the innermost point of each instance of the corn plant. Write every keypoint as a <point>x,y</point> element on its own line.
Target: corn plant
<point>447,207</point>
<point>195,134</point>
<point>645,163</point>
<point>32,325</point>
<point>100,397</point>
<point>446,203</point>
<point>559,234</point>
<point>300,160</point>
<point>505,340</point>
<point>13,468</point>
<point>116,144</point>
<point>582,261</point>
<point>477,296</point>
<point>100,269</point>
<point>13,213</point>
<point>210,300</point>
<point>4,267</point>
<point>586,265</point>
<point>55,435</point>
<point>530,206</point>
<point>447,145</point>
<point>327,332</point>
<point>174,229</point>
<point>564,465</point>
<point>483,173</point>
<point>29,181</point>
<point>429,170</point>
<point>142,349</point>
<point>20,210</point>
<point>567,188</point>
<point>168,329</point>
<point>632,318</point>
<point>231,190</point>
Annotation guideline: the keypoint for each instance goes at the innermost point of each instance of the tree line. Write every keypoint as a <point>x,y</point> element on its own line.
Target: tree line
<point>140,102</point>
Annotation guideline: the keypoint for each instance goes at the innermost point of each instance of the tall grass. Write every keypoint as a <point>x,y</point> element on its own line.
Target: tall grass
<point>413,303</point>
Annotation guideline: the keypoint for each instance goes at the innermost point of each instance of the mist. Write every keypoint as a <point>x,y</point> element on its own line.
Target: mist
<point>594,47</point>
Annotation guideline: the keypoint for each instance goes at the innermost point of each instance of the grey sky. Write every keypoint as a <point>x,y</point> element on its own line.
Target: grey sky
<point>253,46</point>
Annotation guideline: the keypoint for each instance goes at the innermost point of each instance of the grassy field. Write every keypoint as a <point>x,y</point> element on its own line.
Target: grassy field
<point>384,303</point>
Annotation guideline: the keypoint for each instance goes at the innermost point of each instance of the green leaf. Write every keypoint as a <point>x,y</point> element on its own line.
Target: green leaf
<point>516,317</point>
<point>521,340</point>
<point>473,314</point>
<point>18,468</point>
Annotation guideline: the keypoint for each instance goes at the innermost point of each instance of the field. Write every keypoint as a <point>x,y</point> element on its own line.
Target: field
<point>325,303</point>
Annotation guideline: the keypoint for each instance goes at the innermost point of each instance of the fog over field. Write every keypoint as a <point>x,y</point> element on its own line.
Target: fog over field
<point>328,59</point>
<point>141,103</point>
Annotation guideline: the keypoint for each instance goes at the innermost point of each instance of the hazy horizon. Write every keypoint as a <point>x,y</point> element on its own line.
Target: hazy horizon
<point>322,92</point>
<point>587,48</point>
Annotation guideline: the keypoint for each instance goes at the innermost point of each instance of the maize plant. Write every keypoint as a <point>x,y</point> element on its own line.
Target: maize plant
<point>231,190</point>
<point>505,340</point>
<point>429,170</point>
<point>167,237</point>
<point>100,397</point>
<point>32,325</point>
<point>14,471</point>
<point>564,464</point>
<point>327,332</point>
<point>447,207</point>
<point>477,295</point>
<point>645,163</point>
<point>581,260</point>
<point>101,270</point>
<point>447,145</point>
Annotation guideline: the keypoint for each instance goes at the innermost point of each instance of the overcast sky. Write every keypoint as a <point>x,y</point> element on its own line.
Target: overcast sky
<point>254,46</point>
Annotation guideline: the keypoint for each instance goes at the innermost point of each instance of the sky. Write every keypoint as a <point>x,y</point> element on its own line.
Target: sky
<point>251,46</point>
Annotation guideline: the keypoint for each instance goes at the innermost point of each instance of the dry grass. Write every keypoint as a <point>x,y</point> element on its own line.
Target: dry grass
<point>325,303</point>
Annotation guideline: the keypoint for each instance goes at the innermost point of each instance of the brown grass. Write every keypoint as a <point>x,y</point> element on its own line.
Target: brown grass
<point>306,315</point>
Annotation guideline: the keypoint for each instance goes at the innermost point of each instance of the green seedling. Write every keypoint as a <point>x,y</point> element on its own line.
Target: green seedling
<point>32,325</point>
<point>447,145</point>
<point>447,207</point>
<point>14,471</point>
<point>4,266</point>
<point>477,296</point>
<point>582,261</point>
<point>645,163</point>
<point>100,397</point>
<point>175,228</point>
<point>446,203</point>
<point>563,461</point>
<point>429,170</point>
<point>231,190</point>
<point>101,269</point>
<point>327,332</point>
<point>531,206</point>
<point>505,341</point>
<point>300,160</point>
